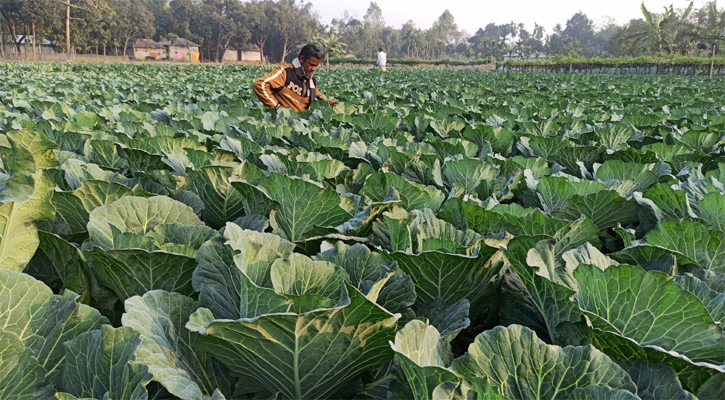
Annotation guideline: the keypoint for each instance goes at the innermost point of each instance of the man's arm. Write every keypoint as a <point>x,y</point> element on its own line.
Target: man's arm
<point>318,94</point>
<point>263,86</point>
<point>321,97</point>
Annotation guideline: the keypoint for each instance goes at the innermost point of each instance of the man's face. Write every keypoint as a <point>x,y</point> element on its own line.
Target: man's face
<point>309,66</point>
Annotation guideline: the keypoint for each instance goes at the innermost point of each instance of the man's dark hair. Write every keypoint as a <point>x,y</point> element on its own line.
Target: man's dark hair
<point>311,51</point>
<point>380,49</point>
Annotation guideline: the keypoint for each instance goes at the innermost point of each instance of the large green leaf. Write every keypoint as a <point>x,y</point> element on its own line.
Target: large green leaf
<point>133,272</point>
<point>451,277</point>
<point>615,137</point>
<point>642,176</point>
<point>521,366</point>
<point>649,309</point>
<point>606,209</point>
<point>655,380</point>
<point>19,239</point>
<point>417,349</point>
<point>39,145</point>
<point>466,215</point>
<point>218,280</point>
<point>222,203</point>
<point>302,206</point>
<point>430,233</point>
<point>21,299</point>
<point>393,231</point>
<point>361,265</point>
<point>21,376</point>
<point>319,354</point>
<point>136,215</point>
<point>105,154</point>
<point>593,392</point>
<point>98,364</point>
<point>18,234</point>
<point>60,265</point>
<point>42,322</point>
<point>569,156</point>
<point>712,209</point>
<point>365,269</point>
<point>17,167</point>
<point>167,346</point>
<point>469,173</point>
<point>713,300</point>
<point>60,319</point>
<point>299,275</point>
<point>548,285</point>
<point>693,239</point>
<point>553,193</point>
<point>413,196</point>
<point>95,193</point>
<point>255,252</point>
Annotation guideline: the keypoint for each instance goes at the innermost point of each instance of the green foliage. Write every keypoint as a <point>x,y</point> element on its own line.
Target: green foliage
<point>491,236</point>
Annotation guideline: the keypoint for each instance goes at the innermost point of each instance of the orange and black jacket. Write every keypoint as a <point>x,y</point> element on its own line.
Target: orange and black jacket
<point>286,88</point>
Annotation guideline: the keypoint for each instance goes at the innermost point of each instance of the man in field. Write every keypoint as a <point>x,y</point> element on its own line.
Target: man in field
<point>382,60</point>
<point>293,85</point>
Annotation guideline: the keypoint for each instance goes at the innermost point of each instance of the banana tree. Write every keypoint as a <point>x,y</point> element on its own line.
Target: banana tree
<point>674,24</point>
<point>330,45</point>
<point>711,24</point>
<point>665,27</point>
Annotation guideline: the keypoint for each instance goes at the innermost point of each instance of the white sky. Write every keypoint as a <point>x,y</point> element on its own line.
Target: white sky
<point>473,14</point>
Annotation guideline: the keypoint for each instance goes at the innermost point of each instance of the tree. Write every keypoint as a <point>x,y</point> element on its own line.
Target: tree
<point>374,15</point>
<point>538,31</point>
<point>710,32</point>
<point>330,45</point>
<point>295,25</point>
<point>11,11</point>
<point>663,29</point>
<point>411,38</point>
<point>228,23</point>
<point>260,23</point>
<point>444,32</point>
<point>41,16</point>
<point>630,40</point>
<point>95,7</point>
<point>134,21</point>
<point>163,19</point>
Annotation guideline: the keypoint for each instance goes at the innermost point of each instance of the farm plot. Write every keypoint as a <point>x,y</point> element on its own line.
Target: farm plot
<point>439,234</point>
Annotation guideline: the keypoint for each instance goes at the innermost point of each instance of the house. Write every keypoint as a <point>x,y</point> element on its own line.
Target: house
<point>230,55</point>
<point>519,56</point>
<point>253,54</point>
<point>47,47</point>
<point>147,49</point>
<point>182,50</point>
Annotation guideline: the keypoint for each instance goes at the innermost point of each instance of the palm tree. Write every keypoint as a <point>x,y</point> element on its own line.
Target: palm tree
<point>330,45</point>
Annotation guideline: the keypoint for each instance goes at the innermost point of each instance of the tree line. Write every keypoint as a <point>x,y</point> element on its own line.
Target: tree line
<point>279,27</point>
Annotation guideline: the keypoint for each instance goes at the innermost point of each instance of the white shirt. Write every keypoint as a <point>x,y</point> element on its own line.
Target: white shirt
<point>382,58</point>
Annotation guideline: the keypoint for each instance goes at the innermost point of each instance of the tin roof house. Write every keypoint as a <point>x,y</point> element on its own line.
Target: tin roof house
<point>182,50</point>
<point>147,49</point>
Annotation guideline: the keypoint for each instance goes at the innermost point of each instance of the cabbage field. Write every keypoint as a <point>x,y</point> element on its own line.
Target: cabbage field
<point>440,234</point>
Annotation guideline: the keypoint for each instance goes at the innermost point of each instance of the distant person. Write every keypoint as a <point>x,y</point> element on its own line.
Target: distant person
<point>382,59</point>
<point>293,85</point>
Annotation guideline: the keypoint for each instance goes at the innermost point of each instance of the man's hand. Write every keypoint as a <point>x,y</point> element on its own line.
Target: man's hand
<point>333,103</point>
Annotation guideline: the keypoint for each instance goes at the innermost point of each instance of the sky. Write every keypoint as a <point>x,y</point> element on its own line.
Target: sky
<point>473,14</point>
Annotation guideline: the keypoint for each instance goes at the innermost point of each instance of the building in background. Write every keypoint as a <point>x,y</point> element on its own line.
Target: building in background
<point>147,49</point>
<point>251,55</point>
<point>47,47</point>
<point>182,50</point>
